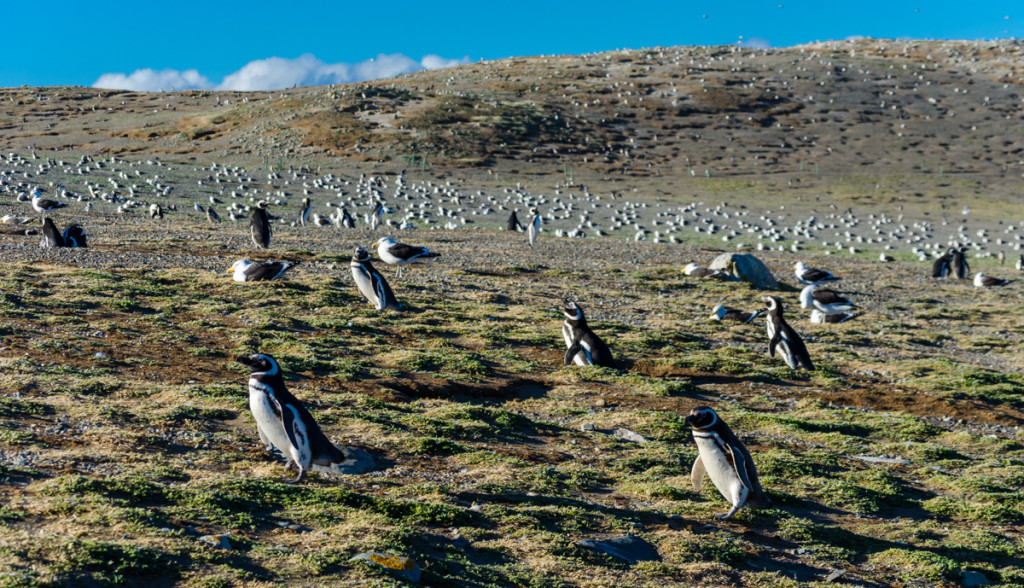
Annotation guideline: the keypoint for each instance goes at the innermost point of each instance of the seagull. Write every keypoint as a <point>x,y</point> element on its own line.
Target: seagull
<point>45,205</point>
<point>808,275</point>
<point>721,313</point>
<point>393,253</point>
<point>824,299</point>
<point>259,271</point>
<point>983,281</point>
<point>692,269</point>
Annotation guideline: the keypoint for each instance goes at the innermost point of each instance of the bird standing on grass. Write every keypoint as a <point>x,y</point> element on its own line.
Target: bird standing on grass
<point>371,283</point>
<point>259,226</point>
<point>282,422</point>
<point>723,458</point>
<point>534,227</point>
<point>584,347</point>
<point>782,337</point>
<point>400,254</point>
<point>808,275</point>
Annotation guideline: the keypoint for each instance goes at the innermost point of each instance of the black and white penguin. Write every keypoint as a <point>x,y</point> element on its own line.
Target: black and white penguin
<point>533,228</point>
<point>400,254</point>
<point>281,420</point>
<point>155,211</point>
<point>211,215</point>
<point>783,337</point>
<point>374,217</point>
<point>259,226</point>
<point>583,346</point>
<point>346,219</point>
<point>941,266</point>
<point>304,211</point>
<point>820,318</point>
<point>824,299</point>
<point>983,281</point>
<point>51,235</point>
<point>808,275</point>
<point>74,236</point>
<point>259,271</point>
<point>721,313</point>
<point>959,265</point>
<point>697,271</point>
<point>1020,263</point>
<point>513,223</point>
<point>41,204</point>
<point>371,283</point>
<point>724,459</point>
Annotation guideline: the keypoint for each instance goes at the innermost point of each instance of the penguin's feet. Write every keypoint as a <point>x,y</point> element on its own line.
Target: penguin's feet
<point>302,474</point>
<point>727,515</point>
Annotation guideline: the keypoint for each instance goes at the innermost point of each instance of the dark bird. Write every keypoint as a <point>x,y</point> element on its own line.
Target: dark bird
<point>983,281</point>
<point>959,265</point>
<point>721,313</point>
<point>824,299</point>
<point>41,204</point>
<point>400,254</point>
<point>73,236</point>
<point>782,337</point>
<point>211,215</point>
<point>304,211</point>
<point>371,283</point>
<point>533,229</point>
<point>723,458</point>
<point>259,271</point>
<point>259,226</point>
<point>155,211</point>
<point>346,219</point>
<point>584,347</point>
<point>808,275</point>
<point>941,267</point>
<point>513,223</point>
<point>695,270</point>
<point>283,422</point>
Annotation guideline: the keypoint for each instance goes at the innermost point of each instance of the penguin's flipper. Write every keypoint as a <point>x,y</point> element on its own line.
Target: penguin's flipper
<point>739,463</point>
<point>263,438</point>
<point>697,474</point>
<point>381,290</point>
<point>571,352</point>
<point>774,343</point>
<point>298,437</point>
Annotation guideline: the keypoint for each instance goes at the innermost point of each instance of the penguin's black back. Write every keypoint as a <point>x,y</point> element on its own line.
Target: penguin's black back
<point>324,452</point>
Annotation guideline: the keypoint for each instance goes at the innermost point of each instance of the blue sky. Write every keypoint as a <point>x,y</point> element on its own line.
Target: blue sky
<point>62,42</point>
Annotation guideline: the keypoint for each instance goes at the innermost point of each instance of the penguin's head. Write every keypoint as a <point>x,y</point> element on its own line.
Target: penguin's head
<point>360,255</point>
<point>571,310</point>
<point>702,417</point>
<point>260,363</point>
<point>772,303</point>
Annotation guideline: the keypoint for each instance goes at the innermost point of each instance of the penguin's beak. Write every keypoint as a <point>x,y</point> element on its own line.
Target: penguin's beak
<point>244,361</point>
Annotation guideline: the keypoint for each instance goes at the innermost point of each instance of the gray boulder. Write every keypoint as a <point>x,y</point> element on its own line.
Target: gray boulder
<point>746,267</point>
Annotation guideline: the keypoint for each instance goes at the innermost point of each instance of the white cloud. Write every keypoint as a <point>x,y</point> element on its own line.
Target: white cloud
<point>275,73</point>
<point>150,80</point>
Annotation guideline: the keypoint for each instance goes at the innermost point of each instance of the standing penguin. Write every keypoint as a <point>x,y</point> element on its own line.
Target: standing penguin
<point>371,283</point>
<point>373,219</point>
<point>51,235</point>
<point>346,219</point>
<point>259,226</point>
<point>724,459</point>
<point>304,211</point>
<point>1020,263</point>
<point>583,346</point>
<point>783,337</point>
<point>534,227</point>
<point>961,270</point>
<point>940,269</point>
<point>513,223</point>
<point>281,420</point>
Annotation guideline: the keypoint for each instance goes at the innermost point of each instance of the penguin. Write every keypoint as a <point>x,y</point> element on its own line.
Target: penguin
<point>346,219</point>
<point>393,253</point>
<point>808,275</point>
<point>371,283</point>
<point>783,337</point>
<point>824,299</point>
<point>721,313</point>
<point>155,211</point>
<point>304,211</point>
<point>1020,263</point>
<point>513,223</point>
<point>941,267</point>
<point>51,235</point>
<point>983,281</point>
<point>583,346</point>
<point>259,271</point>
<point>959,265</point>
<point>534,227</point>
<point>281,420</point>
<point>211,215</point>
<point>724,459</point>
<point>373,219</point>
<point>74,236</point>
<point>259,226</point>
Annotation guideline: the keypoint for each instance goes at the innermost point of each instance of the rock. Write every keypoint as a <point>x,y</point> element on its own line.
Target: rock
<point>402,566</point>
<point>972,578</point>
<point>629,548</point>
<point>835,575</point>
<point>745,267</point>
<point>587,427</point>
<point>627,435</point>
<point>601,403</point>
<point>220,541</point>
<point>356,461</point>
<point>885,460</point>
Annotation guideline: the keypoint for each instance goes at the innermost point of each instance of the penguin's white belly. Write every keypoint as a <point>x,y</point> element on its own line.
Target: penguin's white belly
<point>583,356</point>
<point>271,426</point>
<point>365,286</point>
<point>721,472</point>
